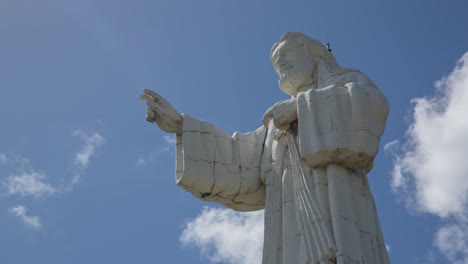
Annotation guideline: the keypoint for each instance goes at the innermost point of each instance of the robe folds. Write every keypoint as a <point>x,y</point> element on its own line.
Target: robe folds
<point>311,180</point>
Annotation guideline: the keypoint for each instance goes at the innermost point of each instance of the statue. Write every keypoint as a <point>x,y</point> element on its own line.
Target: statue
<point>306,166</point>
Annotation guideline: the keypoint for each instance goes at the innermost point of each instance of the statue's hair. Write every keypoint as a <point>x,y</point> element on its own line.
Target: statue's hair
<point>315,48</point>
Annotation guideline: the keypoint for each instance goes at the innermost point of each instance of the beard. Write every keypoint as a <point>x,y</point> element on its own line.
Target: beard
<point>292,79</point>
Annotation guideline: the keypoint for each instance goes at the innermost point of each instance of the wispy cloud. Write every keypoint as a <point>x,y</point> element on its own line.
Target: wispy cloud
<point>170,139</point>
<point>92,141</point>
<point>28,184</point>
<point>430,169</point>
<point>226,236</point>
<point>3,159</point>
<point>153,155</point>
<point>140,163</point>
<point>31,221</point>
<point>26,181</point>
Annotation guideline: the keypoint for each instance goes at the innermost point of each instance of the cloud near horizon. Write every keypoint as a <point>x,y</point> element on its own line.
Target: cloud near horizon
<point>430,172</point>
<point>226,236</point>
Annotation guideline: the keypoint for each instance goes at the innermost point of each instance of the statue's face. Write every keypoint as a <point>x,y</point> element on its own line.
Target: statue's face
<point>294,66</point>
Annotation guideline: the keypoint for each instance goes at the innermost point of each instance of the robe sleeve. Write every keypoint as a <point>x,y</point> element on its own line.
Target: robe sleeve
<point>216,167</point>
<point>342,123</point>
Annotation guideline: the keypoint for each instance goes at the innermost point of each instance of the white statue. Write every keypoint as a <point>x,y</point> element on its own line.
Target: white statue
<point>307,166</point>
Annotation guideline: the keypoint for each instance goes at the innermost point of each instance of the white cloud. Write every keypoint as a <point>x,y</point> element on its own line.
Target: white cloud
<point>452,240</point>
<point>434,156</point>
<point>20,211</point>
<point>28,184</point>
<point>92,141</point>
<point>23,180</point>
<point>431,169</point>
<point>226,236</point>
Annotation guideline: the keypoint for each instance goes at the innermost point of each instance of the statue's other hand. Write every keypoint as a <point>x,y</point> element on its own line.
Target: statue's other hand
<point>283,114</point>
<point>159,110</point>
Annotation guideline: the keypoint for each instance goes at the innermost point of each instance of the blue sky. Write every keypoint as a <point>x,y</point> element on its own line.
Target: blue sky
<point>84,179</point>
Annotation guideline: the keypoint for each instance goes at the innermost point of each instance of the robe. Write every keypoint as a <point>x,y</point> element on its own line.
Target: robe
<point>311,180</point>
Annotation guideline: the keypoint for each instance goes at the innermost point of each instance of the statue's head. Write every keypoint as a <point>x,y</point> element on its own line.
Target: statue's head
<point>301,62</point>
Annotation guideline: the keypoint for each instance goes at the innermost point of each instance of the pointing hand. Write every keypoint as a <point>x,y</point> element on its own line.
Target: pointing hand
<point>159,110</point>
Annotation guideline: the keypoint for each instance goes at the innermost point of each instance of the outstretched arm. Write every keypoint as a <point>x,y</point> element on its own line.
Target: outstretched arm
<point>212,165</point>
<point>216,167</point>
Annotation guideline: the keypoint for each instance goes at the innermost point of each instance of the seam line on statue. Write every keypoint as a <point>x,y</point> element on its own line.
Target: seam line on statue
<point>215,157</point>
<point>240,170</point>
<point>367,233</point>
<point>345,218</point>
<point>346,130</point>
<point>221,163</point>
<point>208,133</point>
<point>307,102</point>
<point>223,137</point>
<point>265,135</point>
<point>232,200</point>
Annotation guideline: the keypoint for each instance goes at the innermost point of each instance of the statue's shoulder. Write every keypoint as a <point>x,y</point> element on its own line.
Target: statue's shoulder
<point>346,75</point>
<point>357,80</point>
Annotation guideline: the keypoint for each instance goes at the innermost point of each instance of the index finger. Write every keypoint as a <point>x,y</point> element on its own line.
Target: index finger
<point>153,94</point>
<point>146,97</point>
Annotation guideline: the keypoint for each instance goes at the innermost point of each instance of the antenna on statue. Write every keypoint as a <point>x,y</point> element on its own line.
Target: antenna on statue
<point>328,44</point>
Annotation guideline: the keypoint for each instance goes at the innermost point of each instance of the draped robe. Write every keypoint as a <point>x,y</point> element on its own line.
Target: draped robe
<point>311,180</point>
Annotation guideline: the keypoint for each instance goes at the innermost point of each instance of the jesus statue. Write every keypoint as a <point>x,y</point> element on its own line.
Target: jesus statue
<point>306,166</point>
